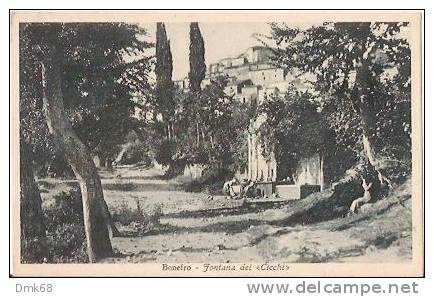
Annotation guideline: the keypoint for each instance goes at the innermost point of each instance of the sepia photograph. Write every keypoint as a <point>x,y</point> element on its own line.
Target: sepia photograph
<point>212,143</point>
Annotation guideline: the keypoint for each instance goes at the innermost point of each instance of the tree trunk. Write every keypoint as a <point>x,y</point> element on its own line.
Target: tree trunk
<point>172,131</point>
<point>203,134</point>
<point>370,155</point>
<point>108,163</point>
<point>368,150</point>
<point>113,230</point>
<point>362,104</point>
<point>169,135</point>
<point>95,215</point>
<point>33,239</point>
<point>197,134</point>
<point>211,139</point>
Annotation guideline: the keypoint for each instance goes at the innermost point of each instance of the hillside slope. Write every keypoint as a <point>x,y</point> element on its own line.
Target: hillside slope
<point>381,232</point>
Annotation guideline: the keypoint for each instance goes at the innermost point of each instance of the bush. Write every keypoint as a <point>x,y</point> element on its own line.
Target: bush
<point>140,220</point>
<point>137,153</point>
<point>33,250</point>
<point>212,180</point>
<point>54,166</point>
<point>66,239</point>
<point>174,169</point>
<point>165,152</point>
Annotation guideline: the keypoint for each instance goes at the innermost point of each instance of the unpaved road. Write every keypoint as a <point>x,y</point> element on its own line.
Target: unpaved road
<point>197,229</point>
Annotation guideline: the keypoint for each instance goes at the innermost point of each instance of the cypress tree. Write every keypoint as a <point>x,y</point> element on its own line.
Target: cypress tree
<point>197,58</point>
<point>163,73</point>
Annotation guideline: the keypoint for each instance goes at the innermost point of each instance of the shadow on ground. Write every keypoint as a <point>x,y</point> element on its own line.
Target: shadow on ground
<point>231,227</point>
<point>146,187</point>
<point>244,208</point>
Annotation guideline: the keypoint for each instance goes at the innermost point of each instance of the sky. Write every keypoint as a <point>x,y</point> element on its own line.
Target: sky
<point>221,40</point>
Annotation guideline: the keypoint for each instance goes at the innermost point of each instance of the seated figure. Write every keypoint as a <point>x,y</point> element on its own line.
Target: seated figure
<point>228,189</point>
<point>357,203</point>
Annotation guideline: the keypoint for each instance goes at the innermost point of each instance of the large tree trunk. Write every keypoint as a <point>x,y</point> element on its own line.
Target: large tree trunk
<point>95,215</point>
<point>363,104</point>
<point>113,230</point>
<point>33,239</point>
<point>373,160</point>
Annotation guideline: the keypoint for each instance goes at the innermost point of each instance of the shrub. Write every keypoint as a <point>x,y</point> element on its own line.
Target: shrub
<point>212,180</point>
<point>165,152</point>
<point>137,153</point>
<point>140,220</point>
<point>33,250</point>
<point>66,239</point>
<point>53,166</point>
<point>174,169</point>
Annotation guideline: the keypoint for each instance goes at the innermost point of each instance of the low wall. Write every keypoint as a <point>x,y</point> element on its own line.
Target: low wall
<point>265,188</point>
<point>290,192</point>
<point>293,192</point>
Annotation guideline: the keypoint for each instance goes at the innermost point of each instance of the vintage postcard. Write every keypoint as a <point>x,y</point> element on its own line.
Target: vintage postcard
<point>216,143</point>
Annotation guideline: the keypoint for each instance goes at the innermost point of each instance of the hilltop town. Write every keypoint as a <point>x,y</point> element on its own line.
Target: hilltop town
<point>252,76</point>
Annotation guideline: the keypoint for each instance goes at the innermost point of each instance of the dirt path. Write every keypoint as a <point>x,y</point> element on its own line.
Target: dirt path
<point>194,228</point>
<point>197,229</point>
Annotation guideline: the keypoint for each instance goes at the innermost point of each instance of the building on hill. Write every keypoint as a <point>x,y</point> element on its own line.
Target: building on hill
<point>254,66</point>
<point>248,74</point>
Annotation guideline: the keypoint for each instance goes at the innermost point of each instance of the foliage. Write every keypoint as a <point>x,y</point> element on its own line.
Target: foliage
<point>212,181</point>
<point>103,68</point>
<point>33,250</point>
<point>293,128</point>
<point>141,220</point>
<point>334,50</point>
<point>212,128</point>
<point>362,71</point>
<point>165,152</point>
<point>163,73</point>
<point>344,147</point>
<point>137,153</point>
<point>197,58</point>
<point>203,126</point>
<point>393,133</point>
<point>66,239</point>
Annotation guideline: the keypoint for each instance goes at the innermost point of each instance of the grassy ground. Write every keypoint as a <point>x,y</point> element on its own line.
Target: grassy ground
<point>193,228</point>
